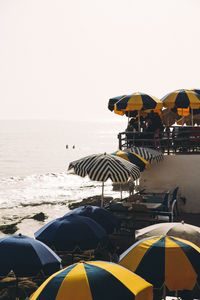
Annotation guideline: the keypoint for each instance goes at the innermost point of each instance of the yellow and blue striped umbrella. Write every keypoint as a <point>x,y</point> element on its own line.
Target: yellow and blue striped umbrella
<point>196,91</point>
<point>138,101</point>
<point>134,158</point>
<point>112,101</point>
<point>182,99</point>
<point>94,280</point>
<point>166,260</point>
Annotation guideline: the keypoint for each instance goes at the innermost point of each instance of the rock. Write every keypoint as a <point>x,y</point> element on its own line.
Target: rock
<point>8,289</point>
<point>94,200</point>
<point>9,228</point>
<point>39,217</point>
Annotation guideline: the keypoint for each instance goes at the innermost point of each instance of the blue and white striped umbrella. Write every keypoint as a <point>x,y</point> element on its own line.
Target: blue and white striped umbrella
<point>101,167</point>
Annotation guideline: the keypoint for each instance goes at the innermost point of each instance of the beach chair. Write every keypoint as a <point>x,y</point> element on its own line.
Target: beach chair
<point>174,201</point>
<point>164,204</point>
<point>167,211</point>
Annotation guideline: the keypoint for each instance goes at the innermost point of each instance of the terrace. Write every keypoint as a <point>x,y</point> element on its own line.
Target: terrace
<point>174,140</point>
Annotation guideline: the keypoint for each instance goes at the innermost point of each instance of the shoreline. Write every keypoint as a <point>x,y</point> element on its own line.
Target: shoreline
<point>23,217</point>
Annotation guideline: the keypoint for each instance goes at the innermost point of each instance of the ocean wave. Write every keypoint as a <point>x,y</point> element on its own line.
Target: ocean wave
<point>50,188</point>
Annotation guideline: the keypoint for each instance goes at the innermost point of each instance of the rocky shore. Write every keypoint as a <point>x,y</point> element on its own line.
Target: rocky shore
<point>28,285</point>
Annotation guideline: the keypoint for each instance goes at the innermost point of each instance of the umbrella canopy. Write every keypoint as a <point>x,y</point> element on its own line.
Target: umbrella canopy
<point>26,256</point>
<point>94,280</point>
<point>100,215</point>
<point>176,229</point>
<point>196,91</point>
<point>148,154</point>
<point>182,99</point>
<point>134,158</point>
<point>101,167</point>
<point>166,260</point>
<point>112,101</point>
<point>72,231</point>
<point>138,101</point>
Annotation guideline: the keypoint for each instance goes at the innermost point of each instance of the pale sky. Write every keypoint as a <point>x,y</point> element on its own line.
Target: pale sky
<point>64,59</point>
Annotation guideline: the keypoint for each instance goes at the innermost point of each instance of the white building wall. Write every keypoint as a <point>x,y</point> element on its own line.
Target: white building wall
<point>176,170</point>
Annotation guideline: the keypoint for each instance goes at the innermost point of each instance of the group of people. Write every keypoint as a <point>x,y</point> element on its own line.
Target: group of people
<point>149,125</point>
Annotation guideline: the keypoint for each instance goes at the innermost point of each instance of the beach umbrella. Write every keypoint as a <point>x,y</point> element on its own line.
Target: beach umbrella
<point>177,229</point>
<point>26,257</point>
<point>94,280</point>
<point>72,231</point>
<point>195,90</point>
<point>134,158</point>
<point>164,261</point>
<point>138,101</point>
<point>101,167</point>
<point>100,215</point>
<point>112,101</point>
<point>148,154</point>
<point>182,99</point>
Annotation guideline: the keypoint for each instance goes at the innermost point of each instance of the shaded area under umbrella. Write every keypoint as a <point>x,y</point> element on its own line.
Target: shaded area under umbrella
<point>100,215</point>
<point>72,231</point>
<point>94,280</point>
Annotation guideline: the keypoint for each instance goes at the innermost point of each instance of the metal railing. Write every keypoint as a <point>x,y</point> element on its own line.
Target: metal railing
<point>173,140</point>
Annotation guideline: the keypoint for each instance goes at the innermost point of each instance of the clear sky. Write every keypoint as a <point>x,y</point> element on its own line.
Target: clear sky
<point>64,59</point>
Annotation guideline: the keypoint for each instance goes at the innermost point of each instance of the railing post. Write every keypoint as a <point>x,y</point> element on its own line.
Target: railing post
<point>120,141</point>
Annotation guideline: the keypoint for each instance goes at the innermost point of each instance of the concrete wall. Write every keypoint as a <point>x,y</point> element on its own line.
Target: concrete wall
<point>176,170</point>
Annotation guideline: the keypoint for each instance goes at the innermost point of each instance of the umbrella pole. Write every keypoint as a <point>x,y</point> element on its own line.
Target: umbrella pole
<point>17,294</point>
<point>192,117</point>
<point>121,191</point>
<point>102,194</point>
<point>164,291</point>
<point>182,117</point>
<point>139,121</point>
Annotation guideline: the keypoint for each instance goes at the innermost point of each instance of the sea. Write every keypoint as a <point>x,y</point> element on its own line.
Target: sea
<point>34,160</point>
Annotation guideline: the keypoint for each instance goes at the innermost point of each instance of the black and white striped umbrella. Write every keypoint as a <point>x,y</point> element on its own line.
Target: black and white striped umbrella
<point>101,167</point>
<point>149,154</point>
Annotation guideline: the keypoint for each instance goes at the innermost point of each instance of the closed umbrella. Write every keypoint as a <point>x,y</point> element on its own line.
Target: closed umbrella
<point>101,167</point>
<point>176,229</point>
<point>100,215</point>
<point>72,231</point>
<point>134,158</point>
<point>26,257</point>
<point>94,280</point>
<point>164,260</point>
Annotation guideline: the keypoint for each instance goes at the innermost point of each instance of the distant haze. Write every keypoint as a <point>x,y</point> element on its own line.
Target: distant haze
<point>62,59</point>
